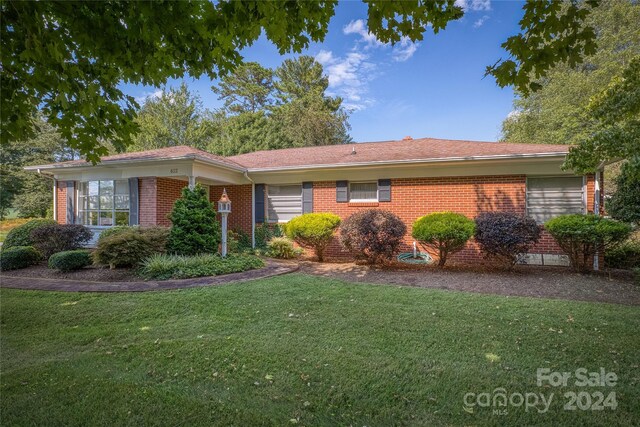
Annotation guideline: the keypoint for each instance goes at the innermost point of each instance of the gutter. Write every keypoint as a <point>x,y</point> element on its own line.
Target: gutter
<point>409,161</point>
<point>253,210</point>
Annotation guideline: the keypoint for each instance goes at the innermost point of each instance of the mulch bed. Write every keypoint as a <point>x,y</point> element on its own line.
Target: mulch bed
<point>91,273</point>
<point>530,281</point>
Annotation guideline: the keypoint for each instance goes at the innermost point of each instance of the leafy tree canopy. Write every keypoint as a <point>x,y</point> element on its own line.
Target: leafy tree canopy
<point>68,58</point>
<point>248,89</point>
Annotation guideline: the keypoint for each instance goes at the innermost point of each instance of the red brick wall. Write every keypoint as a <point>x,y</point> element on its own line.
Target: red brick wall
<point>61,202</point>
<point>168,191</point>
<point>415,197</point>
<point>148,200</point>
<point>240,196</point>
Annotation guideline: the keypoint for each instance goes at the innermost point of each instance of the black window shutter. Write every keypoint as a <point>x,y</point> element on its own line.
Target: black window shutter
<point>342,191</point>
<point>384,190</point>
<point>307,197</point>
<point>70,200</point>
<point>133,202</point>
<point>259,203</point>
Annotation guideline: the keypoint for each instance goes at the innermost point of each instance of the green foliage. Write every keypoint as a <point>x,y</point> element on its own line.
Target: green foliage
<point>49,239</point>
<point>372,234</point>
<point>581,236</point>
<point>70,260</point>
<point>21,235</point>
<point>313,230</point>
<point>538,48</point>
<point>176,117</point>
<point>624,204</point>
<point>282,247</point>
<point>626,255</point>
<point>238,241</point>
<point>558,112</point>
<point>265,232</point>
<point>125,249</point>
<point>18,257</point>
<point>616,112</point>
<point>248,89</point>
<point>445,232</point>
<point>112,231</point>
<point>163,267</point>
<point>195,229</point>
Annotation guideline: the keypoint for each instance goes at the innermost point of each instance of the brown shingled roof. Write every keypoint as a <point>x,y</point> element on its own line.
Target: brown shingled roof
<point>389,151</point>
<point>168,153</point>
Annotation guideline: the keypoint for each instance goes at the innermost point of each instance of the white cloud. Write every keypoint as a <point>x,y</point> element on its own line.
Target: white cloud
<point>359,27</point>
<point>154,94</point>
<point>480,22</point>
<point>474,5</point>
<point>404,50</point>
<point>349,76</point>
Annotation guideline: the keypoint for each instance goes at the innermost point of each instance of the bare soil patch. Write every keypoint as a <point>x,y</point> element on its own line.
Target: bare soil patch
<point>539,282</point>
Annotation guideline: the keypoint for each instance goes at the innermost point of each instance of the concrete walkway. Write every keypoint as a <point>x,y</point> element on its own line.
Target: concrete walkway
<point>272,268</point>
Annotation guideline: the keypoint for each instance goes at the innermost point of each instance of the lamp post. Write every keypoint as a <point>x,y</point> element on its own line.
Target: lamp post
<point>224,208</point>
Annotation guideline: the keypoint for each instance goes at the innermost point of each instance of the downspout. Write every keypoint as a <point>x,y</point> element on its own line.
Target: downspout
<point>253,210</point>
<point>596,208</point>
<point>55,194</point>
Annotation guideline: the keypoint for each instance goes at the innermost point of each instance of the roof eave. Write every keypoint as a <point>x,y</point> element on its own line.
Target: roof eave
<point>412,161</point>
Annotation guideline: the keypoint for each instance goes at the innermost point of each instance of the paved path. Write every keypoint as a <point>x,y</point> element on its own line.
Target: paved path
<point>272,268</point>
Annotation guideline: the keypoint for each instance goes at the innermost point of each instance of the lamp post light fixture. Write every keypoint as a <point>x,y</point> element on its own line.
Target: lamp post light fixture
<point>224,208</point>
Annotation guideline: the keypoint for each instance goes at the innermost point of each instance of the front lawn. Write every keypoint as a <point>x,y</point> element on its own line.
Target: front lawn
<point>302,350</point>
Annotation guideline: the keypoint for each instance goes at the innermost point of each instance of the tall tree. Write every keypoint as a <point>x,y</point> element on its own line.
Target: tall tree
<point>299,77</point>
<point>30,193</point>
<point>176,117</point>
<point>558,112</point>
<point>248,89</point>
<point>69,58</point>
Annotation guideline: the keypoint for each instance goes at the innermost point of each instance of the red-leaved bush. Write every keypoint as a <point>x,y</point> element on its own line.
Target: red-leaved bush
<point>50,239</point>
<point>506,235</point>
<point>373,235</point>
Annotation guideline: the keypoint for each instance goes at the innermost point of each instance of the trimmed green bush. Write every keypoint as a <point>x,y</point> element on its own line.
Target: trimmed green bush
<point>444,232</point>
<point>21,235</point>
<point>195,228</point>
<point>625,256</point>
<point>372,234</point>
<point>123,249</point>
<point>163,267</point>
<point>111,231</point>
<point>282,247</point>
<point>50,239</point>
<point>581,236</point>
<point>266,232</point>
<point>18,257</point>
<point>313,230</point>
<point>238,241</point>
<point>70,260</point>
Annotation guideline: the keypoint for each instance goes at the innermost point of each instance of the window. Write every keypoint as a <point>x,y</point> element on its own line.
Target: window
<point>363,192</point>
<point>552,196</point>
<point>103,203</point>
<point>284,202</point>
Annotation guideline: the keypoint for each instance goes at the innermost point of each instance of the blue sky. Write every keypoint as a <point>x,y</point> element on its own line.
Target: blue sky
<point>434,88</point>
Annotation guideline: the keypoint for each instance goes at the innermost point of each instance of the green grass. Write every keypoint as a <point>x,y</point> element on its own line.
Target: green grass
<point>312,350</point>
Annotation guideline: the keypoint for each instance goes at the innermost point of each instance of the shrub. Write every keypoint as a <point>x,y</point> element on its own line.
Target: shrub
<point>18,257</point>
<point>313,231</point>
<point>266,232</point>
<point>580,236</point>
<point>282,247</point>
<point>372,234</point>
<point>195,228</point>
<point>21,235</point>
<point>506,235</point>
<point>625,256</point>
<point>123,249</point>
<point>238,241</point>
<point>115,230</point>
<point>49,239</point>
<point>162,267</point>
<point>157,235</point>
<point>70,260</point>
<point>445,232</point>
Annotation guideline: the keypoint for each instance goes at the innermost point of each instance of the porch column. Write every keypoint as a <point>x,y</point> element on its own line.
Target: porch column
<point>192,182</point>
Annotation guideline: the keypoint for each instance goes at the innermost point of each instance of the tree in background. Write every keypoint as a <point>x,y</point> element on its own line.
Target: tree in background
<point>248,89</point>
<point>174,118</point>
<point>28,192</point>
<point>68,59</point>
<point>625,202</point>
<point>558,113</point>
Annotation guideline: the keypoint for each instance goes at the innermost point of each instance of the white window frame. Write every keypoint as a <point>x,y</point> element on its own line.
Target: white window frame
<point>267,196</point>
<point>113,210</point>
<point>364,200</point>
<point>526,189</point>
